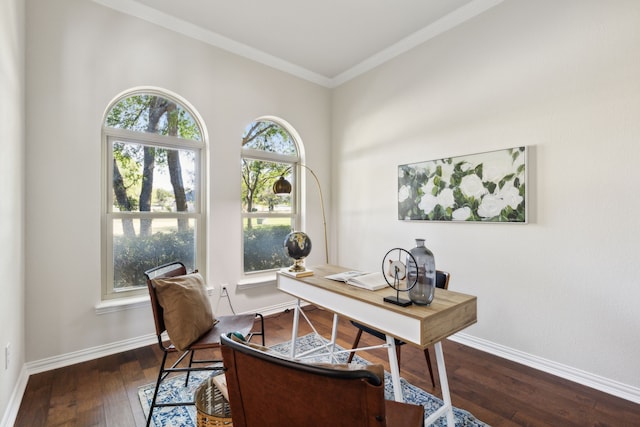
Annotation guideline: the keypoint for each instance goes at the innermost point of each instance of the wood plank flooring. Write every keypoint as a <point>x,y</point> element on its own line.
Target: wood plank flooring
<point>103,392</point>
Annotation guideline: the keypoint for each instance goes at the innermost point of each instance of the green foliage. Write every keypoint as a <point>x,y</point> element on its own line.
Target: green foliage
<point>164,198</point>
<point>133,113</point>
<point>132,256</point>
<point>148,114</point>
<point>264,248</point>
<point>259,175</point>
<point>268,136</point>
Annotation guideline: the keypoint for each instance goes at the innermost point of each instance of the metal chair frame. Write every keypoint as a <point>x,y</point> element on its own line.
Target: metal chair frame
<point>242,323</point>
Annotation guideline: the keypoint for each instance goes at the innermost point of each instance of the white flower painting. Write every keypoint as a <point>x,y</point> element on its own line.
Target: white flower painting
<point>489,187</point>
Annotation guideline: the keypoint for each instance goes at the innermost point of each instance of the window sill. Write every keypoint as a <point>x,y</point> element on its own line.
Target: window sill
<point>129,303</point>
<point>257,281</point>
<point>121,304</point>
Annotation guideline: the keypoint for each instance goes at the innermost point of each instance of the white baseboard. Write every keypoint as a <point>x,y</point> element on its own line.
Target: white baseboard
<point>597,382</point>
<point>72,358</point>
<point>9,417</point>
<point>60,361</point>
<point>91,353</point>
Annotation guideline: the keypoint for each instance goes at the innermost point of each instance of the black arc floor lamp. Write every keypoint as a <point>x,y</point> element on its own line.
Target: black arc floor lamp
<point>282,186</point>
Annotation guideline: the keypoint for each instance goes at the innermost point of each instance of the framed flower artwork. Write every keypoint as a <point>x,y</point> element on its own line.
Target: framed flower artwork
<point>485,187</point>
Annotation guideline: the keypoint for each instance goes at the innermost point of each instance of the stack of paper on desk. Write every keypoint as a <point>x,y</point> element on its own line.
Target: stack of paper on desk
<point>371,281</point>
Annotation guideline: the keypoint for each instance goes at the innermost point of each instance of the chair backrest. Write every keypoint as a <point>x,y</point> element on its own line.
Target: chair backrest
<point>269,390</point>
<point>171,269</point>
<point>442,279</point>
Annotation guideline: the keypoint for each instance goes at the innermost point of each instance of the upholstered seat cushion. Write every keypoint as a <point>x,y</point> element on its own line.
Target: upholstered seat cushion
<point>187,310</point>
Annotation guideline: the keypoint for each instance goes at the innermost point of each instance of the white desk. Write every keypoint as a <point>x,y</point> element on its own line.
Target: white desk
<point>420,326</point>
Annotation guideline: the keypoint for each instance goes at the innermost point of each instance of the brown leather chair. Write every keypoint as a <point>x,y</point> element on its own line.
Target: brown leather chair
<point>268,390</point>
<point>243,323</point>
<point>442,282</point>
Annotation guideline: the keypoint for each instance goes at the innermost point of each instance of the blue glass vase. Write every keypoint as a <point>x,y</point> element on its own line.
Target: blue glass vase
<point>423,273</point>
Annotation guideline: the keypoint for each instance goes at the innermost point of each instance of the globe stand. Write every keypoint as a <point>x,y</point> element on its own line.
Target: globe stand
<point>289,272</point>
<point>298,266</point>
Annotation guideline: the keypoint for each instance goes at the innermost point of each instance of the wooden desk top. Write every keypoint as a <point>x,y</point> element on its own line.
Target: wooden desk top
<point>449,312</point>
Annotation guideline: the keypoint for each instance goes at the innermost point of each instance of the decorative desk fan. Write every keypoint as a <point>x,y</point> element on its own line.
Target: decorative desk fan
<point>394,271</point>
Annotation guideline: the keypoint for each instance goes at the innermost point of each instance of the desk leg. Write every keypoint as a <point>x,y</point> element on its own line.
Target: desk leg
<point>444,384</point>
<point>334,337</point>
<point>395,369</point>
<point>447,408</point>
<point>294,329</point>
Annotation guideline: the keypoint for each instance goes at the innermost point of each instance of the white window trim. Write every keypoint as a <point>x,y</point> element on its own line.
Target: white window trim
<point>133,298</point>
<point>268,277</point>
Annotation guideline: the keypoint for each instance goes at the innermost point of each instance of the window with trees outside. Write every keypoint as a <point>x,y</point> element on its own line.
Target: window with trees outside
<point>268,152</point>
<point>153,161</point>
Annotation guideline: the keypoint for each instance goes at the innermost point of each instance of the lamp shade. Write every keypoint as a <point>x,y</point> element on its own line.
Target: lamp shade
<point>282,186</point>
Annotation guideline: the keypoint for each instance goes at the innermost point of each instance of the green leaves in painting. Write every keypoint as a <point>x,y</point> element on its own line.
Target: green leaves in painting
<point>481,187</point>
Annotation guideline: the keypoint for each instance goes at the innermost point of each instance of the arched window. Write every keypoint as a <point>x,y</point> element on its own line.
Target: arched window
<point>270,149</point>
<point>154,185</point>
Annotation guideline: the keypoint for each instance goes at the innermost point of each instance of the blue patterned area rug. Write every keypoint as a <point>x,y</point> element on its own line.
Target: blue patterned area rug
<point>185,416</point>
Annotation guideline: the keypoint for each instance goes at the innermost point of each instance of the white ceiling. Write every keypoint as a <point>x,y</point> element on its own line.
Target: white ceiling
<point>327,41</point>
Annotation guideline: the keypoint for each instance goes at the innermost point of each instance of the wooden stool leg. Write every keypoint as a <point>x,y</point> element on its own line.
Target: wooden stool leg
<point>426,355</point>
<point>355,345</point>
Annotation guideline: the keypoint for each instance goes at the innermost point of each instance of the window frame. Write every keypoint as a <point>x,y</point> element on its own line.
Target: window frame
<point>297,183</point>
<point>109,214</point>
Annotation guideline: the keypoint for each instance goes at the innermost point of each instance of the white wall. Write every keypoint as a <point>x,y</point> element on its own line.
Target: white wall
<point>562,78</point>
<point>12,140</point>
<point>81,55</point>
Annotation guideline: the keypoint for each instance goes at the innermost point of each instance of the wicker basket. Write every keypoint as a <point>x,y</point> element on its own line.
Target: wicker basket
<point>212,408</point>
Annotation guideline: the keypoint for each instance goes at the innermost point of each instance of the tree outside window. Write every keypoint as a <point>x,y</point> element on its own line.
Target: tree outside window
<point>153,168</point>
<point>268,152</point>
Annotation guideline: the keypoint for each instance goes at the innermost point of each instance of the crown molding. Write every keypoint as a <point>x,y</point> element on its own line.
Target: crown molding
<point>442,25</point>
<point>149,14</point>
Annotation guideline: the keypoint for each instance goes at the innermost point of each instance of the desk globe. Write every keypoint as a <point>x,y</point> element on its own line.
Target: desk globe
<point>297,245</point>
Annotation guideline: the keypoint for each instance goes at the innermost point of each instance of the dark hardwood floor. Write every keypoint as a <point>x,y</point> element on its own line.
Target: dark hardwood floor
<point>103,392</point>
